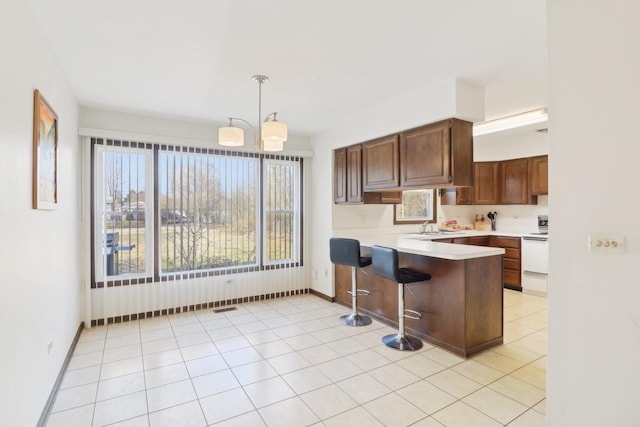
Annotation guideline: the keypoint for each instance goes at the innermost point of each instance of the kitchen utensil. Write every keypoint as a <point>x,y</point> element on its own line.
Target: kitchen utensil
<point>492,216</point>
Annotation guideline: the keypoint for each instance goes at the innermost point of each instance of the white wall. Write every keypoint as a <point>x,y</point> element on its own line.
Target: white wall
<point>424,105</point>
<point>39,256</point>
<point>117,301</point>
<point>594,299</point>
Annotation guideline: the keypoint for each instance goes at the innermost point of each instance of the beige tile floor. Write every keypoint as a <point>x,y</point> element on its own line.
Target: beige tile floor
<point>289,362</point>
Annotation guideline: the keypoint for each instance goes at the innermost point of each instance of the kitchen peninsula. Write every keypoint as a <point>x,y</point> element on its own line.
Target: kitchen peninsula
<point>462,304</point>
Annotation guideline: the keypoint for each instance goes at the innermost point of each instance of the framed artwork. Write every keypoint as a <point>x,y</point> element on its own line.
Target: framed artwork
<point>417,207</point>
<point>45,154</point>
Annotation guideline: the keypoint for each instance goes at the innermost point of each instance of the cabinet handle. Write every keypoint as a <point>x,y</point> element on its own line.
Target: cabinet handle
<point>535,273</point>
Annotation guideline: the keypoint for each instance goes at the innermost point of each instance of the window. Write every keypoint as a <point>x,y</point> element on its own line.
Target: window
<point>213,212</point>
<point>418,206</point>
<point>123,211</point>
<point>282,211</point>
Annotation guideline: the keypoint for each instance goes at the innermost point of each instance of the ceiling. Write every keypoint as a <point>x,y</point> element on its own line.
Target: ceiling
<point>329,61</point>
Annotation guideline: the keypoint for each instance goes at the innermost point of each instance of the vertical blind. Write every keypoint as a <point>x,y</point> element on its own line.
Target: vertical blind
<point>166,212</point>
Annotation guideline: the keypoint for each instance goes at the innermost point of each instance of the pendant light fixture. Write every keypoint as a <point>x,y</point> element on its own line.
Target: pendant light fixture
<point>271,133</point>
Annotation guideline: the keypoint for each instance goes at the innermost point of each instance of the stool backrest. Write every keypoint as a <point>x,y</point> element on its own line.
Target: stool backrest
<point>344,251</point>
<point>385,262</point>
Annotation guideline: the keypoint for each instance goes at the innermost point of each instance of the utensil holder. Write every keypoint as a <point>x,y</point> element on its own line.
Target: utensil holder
<point>493,225</point>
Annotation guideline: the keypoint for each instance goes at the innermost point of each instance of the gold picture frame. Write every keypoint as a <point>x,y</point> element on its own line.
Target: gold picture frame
<point>45,154</point>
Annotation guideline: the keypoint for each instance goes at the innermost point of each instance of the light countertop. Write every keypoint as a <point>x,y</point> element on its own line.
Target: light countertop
<point>419,244</point>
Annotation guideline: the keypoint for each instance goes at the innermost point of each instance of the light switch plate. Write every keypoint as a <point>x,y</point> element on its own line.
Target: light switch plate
<point>607,243</point>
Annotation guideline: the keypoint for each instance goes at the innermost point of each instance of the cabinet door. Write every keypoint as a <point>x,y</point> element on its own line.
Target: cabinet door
<point>340,175</point>
<point>354,174</point>
<point>539,175</point>
<point>380,163</point>
<point>464,196</point>
<point>514,188</point>
<point>486,186</point>
<point>425,156</point>
<point>456,196</point>
<point>460,240</point>
<point>479,240</point>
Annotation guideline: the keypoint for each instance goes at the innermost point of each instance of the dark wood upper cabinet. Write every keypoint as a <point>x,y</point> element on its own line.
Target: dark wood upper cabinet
<point>487,183</point>
<point>514,187</point>
<point>347,174</point>
<point>456,196</point>
<point>439,154</point>
<point>380,163</point>
<point>539,175</point>
<point>340,175</point>
<point>347,180</point>
<point>354,174</point>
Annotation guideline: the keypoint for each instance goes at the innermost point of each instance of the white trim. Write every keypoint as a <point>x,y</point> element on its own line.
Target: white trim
<point>178,140</point>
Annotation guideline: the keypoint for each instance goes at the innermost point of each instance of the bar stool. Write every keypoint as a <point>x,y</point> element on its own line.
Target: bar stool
<point>385,264</point>
<point>347,252</point>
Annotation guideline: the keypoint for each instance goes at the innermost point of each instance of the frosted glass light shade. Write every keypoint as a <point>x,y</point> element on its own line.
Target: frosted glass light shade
<point>231,136</point>
<point>276,131</point>
<point>272,145</point>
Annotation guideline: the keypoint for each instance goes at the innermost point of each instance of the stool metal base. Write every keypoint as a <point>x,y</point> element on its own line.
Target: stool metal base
<point>355,320</point>
<point>405,343</point>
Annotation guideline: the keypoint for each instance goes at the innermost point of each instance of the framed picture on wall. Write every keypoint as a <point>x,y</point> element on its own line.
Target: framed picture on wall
<point>417,207</point>
<point>45,154</point>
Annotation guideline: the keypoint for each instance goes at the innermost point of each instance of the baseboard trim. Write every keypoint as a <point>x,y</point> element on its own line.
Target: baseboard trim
<point>193,307</point>
<point>54,391</point>
<point>321,295</point>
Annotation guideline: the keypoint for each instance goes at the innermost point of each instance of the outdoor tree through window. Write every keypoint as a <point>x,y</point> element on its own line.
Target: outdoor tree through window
<point>213,210</point>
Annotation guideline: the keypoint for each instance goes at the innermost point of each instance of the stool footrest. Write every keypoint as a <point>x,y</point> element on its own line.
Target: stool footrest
<point>362,292</point>
<point>412,314</point>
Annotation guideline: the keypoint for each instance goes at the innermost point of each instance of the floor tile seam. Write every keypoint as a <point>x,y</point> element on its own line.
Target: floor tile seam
<point>71,409</point>
<point>456,397</point>
<point>127,419</point>
<point>516,360</point>
<point>487,415</point>
<point>401,397</point>
<point>491,382</point>
<point>527,407</point>
<point>494,368</point>
<point>507,396</point>
<point>538,411</point>
<point>95,399</point>
<point>314,412</point>
<point>106,348</point>
<point>144,382</point>
<point>530,383</point>
<point>525,348</point>
<point>534,361</point>
<point>88,366</point>
<point>537,356</point>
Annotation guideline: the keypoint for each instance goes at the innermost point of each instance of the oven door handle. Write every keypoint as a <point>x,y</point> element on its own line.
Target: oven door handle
<point>537,239</point>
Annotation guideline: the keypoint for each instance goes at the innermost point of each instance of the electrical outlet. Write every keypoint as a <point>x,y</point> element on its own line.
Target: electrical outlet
<point>607,243</point>
<point>326,272</point>
<point>49,346</point>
